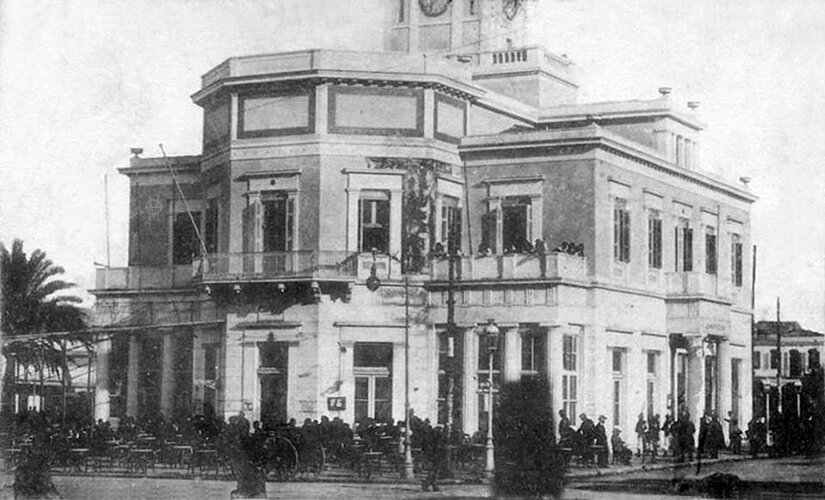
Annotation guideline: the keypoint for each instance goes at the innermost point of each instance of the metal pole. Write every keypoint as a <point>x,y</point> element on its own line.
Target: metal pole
<point>450,368</point>
<point>408,472</point>
<point>489,466</point>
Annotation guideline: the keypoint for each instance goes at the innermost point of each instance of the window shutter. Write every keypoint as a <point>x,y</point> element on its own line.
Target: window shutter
<point>252,226</point>
<point>625,236</point>
<point>290,224</point>
<point>678,247</point>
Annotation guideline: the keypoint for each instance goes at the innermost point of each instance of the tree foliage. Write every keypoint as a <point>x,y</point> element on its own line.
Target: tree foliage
<point>36,300</point>
<point>528,461</point>
<point>419,201</point>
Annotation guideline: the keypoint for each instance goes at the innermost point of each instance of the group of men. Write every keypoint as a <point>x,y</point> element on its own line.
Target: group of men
<point>589,441</point>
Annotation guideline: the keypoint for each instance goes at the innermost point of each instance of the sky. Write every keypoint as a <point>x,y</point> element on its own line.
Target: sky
<point>82,82</point>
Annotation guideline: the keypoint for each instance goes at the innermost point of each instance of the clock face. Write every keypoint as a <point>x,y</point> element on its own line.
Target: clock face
<point>433,8</point>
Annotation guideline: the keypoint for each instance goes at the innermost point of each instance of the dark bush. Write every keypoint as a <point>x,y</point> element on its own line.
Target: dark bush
<point>528,462</point>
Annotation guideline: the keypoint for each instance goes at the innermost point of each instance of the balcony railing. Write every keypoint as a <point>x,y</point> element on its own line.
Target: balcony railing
<point>143,277</point>
<point>513,267</point>
<point>273,265</point>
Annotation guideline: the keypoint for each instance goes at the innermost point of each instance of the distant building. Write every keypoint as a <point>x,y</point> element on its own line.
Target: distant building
<point>801,351</point>
<point>324,170</point>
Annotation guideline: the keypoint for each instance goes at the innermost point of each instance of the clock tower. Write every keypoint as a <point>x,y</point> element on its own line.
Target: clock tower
<point>496,40</point>
<point>456,26</point>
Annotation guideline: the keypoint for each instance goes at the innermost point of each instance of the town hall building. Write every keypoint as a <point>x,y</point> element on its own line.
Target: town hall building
<point>355,219</point>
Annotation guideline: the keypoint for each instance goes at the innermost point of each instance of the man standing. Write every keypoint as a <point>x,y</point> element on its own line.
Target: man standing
<point>586,435</point>
<point>641,428</point>
<point>600,435</point>
<point>434,451</point>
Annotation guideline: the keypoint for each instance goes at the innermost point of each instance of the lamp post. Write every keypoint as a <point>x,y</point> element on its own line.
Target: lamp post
<point>373,284</point>
<point>409,472</point>
<point>491,334</point>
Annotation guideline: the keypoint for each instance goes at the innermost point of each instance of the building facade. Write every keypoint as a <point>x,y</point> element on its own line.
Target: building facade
<point>800,353</point>
<point>297,265</point>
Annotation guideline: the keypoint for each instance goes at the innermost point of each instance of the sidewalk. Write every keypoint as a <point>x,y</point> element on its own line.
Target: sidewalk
<point>337,474</point>
<point>661,463</point>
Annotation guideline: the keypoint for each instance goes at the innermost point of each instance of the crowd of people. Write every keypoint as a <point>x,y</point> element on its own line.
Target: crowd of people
<point>676,438</point>
<point>239,440</point>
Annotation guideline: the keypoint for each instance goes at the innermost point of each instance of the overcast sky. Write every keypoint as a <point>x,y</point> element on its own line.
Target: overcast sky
<point>81,82</point>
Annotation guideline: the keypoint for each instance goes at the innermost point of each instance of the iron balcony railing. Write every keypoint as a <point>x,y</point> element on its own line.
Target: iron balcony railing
<point>272,265</point>
<point>514,267</point>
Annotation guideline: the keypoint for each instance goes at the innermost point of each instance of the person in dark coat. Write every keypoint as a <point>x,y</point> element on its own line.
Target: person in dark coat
<point>717,436</point>
<point>566,433</point>
<point>667,429</point>
<point>641,428</point>
<point>600,438</point>
<point>683,434</point>
<point>735,436</point>
<point>652,434</point>
<point>585,438</point>
<point>705,440</point>
<point>435,447</point>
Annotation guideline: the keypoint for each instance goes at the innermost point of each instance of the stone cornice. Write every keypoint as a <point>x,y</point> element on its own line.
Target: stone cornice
<point>543,142</point>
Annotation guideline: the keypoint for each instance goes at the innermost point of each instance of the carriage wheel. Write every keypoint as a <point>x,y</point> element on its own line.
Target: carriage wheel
<point>281,459</point>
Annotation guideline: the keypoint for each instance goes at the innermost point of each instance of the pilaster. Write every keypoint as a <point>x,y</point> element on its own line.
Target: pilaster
<point>132,377</point>
<point>167,375</point>
<point>102,396</point>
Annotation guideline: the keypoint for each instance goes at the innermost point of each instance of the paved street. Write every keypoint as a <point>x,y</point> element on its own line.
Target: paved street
<point>155,489</point>
<point>777,478</point>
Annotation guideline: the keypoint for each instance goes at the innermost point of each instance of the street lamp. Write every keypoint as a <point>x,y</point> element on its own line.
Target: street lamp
<point>491,335</point>
<point>373,284</point>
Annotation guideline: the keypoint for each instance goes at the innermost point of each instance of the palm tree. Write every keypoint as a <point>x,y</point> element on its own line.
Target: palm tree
<point>35,302</point>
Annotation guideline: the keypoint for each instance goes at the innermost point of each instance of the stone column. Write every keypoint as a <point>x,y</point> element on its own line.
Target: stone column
<point>102,401</point>
<point>396,226</point>
<point>511,357</point>
<point>132,377</point>
<point>723,380</point>
<point>353,196</point>
<point>554,369</point>
<point>198,371</point>
<point>439,237</point>
<point>167,375</point>
<point>696,381</point>
<point>470,413</point>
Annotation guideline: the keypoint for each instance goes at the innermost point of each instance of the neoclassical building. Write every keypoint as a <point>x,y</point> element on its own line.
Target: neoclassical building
<point>800,353</point>
<point>294,268</point>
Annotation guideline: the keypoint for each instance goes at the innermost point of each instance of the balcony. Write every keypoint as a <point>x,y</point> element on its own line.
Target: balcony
<point>267,266</point>
<point>513,267</point>
<point>142,277</point>
<point>695,283</point>
<point>518,58</point>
